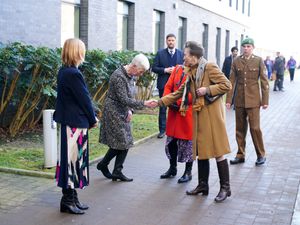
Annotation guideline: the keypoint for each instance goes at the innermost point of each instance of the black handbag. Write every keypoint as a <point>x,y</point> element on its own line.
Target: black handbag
<point>211,99</point>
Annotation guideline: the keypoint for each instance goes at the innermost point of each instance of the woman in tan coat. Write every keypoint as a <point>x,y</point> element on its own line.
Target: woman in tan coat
<point>205,80</point>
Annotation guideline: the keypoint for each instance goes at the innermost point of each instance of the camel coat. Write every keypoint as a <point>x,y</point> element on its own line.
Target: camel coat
<point>209,132</point>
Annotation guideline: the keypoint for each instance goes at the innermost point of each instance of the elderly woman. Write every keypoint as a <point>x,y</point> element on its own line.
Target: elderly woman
<point>210,140</point>
<point>116,116</point>
<point>76,115</point>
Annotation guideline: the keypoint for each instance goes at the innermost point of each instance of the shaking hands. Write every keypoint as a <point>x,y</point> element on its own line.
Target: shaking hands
<point>152,103</point>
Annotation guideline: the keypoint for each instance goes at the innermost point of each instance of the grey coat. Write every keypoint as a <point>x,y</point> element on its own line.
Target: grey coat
<point>115,131</point>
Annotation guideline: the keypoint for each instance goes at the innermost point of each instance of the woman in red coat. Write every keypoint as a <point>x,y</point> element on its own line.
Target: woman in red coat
<point>179,130</point>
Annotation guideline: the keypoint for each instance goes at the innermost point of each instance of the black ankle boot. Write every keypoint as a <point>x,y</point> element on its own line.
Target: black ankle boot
<point>225,191</point>
<point>117,173</point>
<point>187,175</point>
<point>67,203</point>
<point>102,165</point>
<point>120,176</point>
<point>78,204</point>
<point>203,174</point>
<point>171,172</point>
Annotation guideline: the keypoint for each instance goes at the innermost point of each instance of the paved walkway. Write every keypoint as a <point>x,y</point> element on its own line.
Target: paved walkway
<point>260,195</point>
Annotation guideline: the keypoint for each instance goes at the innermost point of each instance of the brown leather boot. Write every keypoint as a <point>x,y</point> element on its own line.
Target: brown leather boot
<point>203,174</point>
<point>223,171</point>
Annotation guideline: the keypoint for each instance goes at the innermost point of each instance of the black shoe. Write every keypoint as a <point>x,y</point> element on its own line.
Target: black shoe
<point>185,178</point>
<point>104,170</point>
<point>274,89</point>
<point>260,161</point>
<point>172,172</point>
<point>161,135</point>
<point>121,177</point>
<point>237,160</point>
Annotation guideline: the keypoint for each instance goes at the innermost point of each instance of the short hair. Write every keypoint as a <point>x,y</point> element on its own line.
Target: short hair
<point>73,52</point>
<point>234,48</point>
<point>195,48</point>
<point>141,61</point>
<point>170,35</point>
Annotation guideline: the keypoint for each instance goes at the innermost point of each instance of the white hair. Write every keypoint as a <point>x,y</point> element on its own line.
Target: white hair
<point>141,61</point>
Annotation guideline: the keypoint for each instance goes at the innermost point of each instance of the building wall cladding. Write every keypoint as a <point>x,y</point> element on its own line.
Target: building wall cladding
<point>39,23</point>
<point>32,22</point>
<point>102,34</point>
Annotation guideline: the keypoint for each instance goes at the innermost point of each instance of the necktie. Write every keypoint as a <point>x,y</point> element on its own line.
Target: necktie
<point>172,53</point>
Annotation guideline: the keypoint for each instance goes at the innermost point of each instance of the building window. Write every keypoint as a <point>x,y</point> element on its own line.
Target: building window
<point>230,3</point>
<point>249,7</point>
<point>243,6</point>
<point>205,39</point>
<point>158,32</point>
<point>181,39</point>
<point>218,46</point>
<point>237,5</point>
<point>227,42</point>
<point>122,25</point>
<point>237,44</point>
<point>70,15</point>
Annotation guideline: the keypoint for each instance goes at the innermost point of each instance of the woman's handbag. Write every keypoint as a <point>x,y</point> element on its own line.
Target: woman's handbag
<point>211,99</point>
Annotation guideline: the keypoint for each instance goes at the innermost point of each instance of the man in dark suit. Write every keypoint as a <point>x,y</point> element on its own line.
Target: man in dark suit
<point>163,65</point>
<point>228,61</point>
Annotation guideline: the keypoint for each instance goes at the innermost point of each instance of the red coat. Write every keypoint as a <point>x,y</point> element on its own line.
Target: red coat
<point>178,126</point>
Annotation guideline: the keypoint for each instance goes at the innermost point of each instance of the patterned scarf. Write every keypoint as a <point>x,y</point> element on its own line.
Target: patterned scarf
<point>194,78</point>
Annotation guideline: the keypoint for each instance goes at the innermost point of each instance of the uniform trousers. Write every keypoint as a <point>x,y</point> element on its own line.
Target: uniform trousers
<point>243,116</point>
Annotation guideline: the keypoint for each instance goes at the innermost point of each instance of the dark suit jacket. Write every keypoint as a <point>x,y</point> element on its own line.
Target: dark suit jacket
<point>161,62</point>
<point>73,104</point>
<point>227,66</point>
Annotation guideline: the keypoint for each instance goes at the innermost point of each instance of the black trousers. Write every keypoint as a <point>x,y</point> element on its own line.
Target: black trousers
<point>292,73</point>
<point>162,117</point>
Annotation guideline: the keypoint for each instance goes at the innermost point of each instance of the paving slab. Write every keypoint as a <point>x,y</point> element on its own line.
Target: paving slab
<point>260,195</point>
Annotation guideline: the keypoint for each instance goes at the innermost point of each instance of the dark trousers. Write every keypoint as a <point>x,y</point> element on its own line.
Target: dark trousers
<point>253,115</point>
<point>292,72</point>
<point>162,117</point>
<point>278,82</point>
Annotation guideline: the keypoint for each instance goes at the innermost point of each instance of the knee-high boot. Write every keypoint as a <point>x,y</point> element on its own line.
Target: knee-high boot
<point>187,175</point>
<point>67,203</point>
<point>223,171</point>
<point>103,164</point>
<point>203,174</point>
<point>172,171</point>
<point>117,173</point>
<point>77,203</point>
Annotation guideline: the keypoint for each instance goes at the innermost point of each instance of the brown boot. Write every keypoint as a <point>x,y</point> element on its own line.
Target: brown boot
<point>203,174</point>
<point>223,171</point>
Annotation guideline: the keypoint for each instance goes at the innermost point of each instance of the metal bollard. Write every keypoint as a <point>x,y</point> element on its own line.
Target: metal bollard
<point>50,139</point>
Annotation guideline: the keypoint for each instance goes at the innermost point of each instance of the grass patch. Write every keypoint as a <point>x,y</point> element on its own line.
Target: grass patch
<point>26,151</point>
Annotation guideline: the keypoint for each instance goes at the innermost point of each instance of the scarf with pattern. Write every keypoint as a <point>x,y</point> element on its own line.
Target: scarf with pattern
<point>194,77</point>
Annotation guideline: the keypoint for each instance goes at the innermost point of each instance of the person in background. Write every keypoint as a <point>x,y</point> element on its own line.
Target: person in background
<point>75,114</point>
<point>269,65</point>
<point>228,61</point>
<point>279,67</point>
<point>179,130</point>
<point>248,74</point>
<point>291,66</point>
<point>210,140</point>
<point>116,118</point>
<point>163,65</point>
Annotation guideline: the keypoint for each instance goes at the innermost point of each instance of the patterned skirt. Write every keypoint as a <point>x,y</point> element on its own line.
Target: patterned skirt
<point>185,150</point>
<point>72,170</point>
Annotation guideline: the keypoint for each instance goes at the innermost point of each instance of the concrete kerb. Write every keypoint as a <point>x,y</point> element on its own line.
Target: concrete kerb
<point>51,175</point>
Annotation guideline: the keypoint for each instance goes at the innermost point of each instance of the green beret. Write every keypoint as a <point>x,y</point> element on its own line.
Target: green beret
<point>248,41</point>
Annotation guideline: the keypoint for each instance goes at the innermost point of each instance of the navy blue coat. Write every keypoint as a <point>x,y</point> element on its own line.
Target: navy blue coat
<point>161,61</point>
<point>227,66</point>
<point>73,104</point>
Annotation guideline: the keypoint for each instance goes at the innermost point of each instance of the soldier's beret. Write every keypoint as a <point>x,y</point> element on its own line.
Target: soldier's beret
<point>248,41</point>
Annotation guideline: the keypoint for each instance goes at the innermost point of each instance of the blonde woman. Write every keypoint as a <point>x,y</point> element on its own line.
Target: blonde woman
<point>75,114</point>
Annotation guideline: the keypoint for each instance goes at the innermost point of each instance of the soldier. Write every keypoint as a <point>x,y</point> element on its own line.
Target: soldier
<point>247,70</point>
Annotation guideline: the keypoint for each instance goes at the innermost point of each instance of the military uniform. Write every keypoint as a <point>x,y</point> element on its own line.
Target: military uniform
<point>245,76</point>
